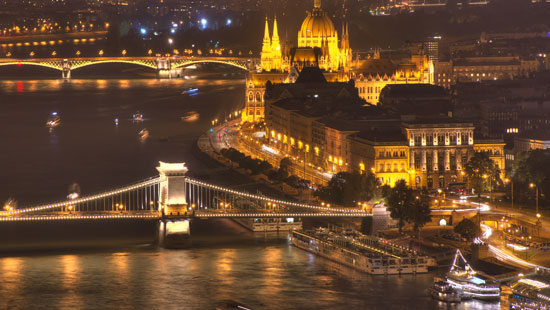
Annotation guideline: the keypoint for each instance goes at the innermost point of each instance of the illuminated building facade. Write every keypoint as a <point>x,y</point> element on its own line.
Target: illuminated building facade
<point>318,46</point>
<point>476,69</point>
<point>373,74</point>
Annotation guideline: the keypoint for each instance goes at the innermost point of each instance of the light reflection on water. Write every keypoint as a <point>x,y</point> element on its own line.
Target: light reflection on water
<point>265,273</point>
<point>88,148</point>
<point>271,276</point>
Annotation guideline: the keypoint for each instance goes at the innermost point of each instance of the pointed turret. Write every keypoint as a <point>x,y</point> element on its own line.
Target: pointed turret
<point>275,31</point>
<point>276,52</point>
<point>266,55</point>
<point>376,53</point>
<point>267,40</point>
<point>342,42</point>
<point>347,36</point>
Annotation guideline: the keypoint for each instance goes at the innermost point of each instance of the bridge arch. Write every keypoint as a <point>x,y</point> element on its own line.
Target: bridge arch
<point>54,66</point>
<point>76,64</point>
<point>235,63</point>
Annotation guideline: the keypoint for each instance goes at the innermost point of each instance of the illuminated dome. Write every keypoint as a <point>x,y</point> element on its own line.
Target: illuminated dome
<point>317,24</point>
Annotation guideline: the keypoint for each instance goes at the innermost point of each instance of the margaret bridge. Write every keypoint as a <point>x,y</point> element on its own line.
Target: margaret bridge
<point>166,67</point>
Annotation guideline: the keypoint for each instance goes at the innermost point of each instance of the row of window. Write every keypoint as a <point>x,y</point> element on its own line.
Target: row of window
<point>389,154</point>
<point>258,97</point>
<point>391,168</point>
<point>441,140</point>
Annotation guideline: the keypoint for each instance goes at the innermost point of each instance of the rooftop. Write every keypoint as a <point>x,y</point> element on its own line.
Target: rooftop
<point>540,135</point>
<point>414,91</point>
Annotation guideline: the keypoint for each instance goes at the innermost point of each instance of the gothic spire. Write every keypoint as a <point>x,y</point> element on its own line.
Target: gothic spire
<point>275,37</point>
<point>266,33</point>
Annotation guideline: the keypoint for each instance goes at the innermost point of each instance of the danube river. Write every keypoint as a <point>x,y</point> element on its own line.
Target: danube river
<point>226,262</point>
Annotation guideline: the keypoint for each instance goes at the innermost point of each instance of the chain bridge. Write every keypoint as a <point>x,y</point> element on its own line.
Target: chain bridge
<point>167,67</point>
<point>173,196</point>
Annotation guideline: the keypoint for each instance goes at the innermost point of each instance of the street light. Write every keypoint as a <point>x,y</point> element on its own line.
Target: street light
<point>506,181</point>
<point>531,185</point>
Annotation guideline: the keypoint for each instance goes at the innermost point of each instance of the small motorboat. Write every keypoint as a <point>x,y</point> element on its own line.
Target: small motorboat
<point>189,91</point>
<point>190,116</point>
<point>138,117</point>
<point>54,120</point>
<point>144,133</point>
<point>10,204</point>
<point>443,291</point>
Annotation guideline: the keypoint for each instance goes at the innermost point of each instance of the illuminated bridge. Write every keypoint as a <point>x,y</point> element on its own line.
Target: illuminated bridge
<point>173,196</point>
<point>165,66</point>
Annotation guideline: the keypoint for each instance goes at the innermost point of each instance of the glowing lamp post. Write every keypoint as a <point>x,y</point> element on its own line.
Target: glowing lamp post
<point>506,181</point>
<point>531,185</point>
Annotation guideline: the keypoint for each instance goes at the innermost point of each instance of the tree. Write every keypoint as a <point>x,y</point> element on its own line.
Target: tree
<point>418,213</point>
<point>349,188</point>
<point>285,163</point>
<point>265,167</point>
<point>467,229</point>
<point>292,181</point>
<point>397,198</point>
<point>532,167</point>
<point>483,174</point>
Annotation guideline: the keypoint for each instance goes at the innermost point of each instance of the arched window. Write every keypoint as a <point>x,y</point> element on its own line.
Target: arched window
<point>250,97</point>
<point>258,97</point>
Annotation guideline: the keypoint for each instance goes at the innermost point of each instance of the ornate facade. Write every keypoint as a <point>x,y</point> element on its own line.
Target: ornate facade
<point>318,45</point>
<point>373,74</point>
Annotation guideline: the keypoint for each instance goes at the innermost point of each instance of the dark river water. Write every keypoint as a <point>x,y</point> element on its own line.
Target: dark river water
<point>226,262</point>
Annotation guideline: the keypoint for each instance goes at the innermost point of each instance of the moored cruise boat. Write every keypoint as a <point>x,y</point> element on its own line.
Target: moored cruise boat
<point>270,224</point>
<point>365,253</point>
<point>443,291</point>
<point>469,283</point>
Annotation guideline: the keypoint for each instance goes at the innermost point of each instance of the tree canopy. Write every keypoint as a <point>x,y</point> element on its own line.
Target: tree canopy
<point>467,229</point>
<point>483,174</point>
<point>398,197</point>
<point>532,167</point>
<point>348,188</point>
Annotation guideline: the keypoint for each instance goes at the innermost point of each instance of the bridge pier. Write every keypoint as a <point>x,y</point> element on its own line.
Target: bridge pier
<point>174,234</point>
<point>173,202</point>
<point>164,69</point>
<point>66,74</point>
<point>66,69</point>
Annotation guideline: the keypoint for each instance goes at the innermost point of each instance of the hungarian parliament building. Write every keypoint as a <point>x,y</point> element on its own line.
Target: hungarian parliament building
<point>320,45</point>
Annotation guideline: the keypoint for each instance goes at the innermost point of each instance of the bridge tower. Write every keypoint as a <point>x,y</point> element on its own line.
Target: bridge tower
<point>172,188</point>
<point>66,69</point>
<point>164,68</point>
<point>174,229</point>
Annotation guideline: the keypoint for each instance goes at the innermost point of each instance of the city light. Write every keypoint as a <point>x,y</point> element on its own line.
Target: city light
<point>143,31</point>
<point>204,22</point>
